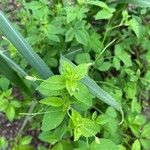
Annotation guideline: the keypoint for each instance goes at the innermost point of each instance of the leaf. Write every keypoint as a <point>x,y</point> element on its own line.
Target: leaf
<point>136,145</point>
<point>4,83</point>
<point>121,54</point>
<point>111,112</point>
<point>53,117</point>
<point>145,143</point>
<point>104,144</point>
<point>130,90</point>
<point>146,131</point>
<point>102,119</point>
<point>97,3</point>
<point>89,128</point>
<point>77,133</point>
<point>105,66</point>
<point>76,117</point>
<point>52,101</point>
<point>83,95</point>
<point>83,58</point>
<point>81,70</point>
<point>48,137</point>
<point>135,106</point>
<point>69,35</point>
<point>95,43</point>
<point>104,14</point>
<point>71,14</point>
<point>10,113</point>
<point>52,84</point>
<point>58,146</point>
<point>141,3</point>
<point>81,37</point>
<point>34,5</point>
<point>116,63</point>
<point>23,47</point>
<point>53,37</point>
<point>135,26</point>
<point>95,89</point>
<point>25,140</point>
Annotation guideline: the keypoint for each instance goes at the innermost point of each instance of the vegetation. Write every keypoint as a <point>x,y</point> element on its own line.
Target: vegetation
<point>82,70</point>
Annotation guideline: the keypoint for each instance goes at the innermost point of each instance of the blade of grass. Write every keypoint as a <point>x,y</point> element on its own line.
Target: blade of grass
<point>142,3</point>
<point>13,64</point>
<point>96,90</point>
<point>9,73</point>
<point>23,47</point>
<point>15,67</point>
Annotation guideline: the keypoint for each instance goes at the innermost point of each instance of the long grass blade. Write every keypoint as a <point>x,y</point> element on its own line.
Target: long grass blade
<point>23,47</point>
<point>9,73</point>
<point>96,90</point>
<point>13,64</point>
<point>141,3</point>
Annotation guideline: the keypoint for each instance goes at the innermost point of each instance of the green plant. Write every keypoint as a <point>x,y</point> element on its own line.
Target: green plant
<point>8,104</point>
<point>109,40</point>
<point>3,143</point>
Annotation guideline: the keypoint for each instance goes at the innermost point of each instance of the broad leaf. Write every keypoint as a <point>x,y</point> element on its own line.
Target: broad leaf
<point>52,101</point>
<point>53,117</point>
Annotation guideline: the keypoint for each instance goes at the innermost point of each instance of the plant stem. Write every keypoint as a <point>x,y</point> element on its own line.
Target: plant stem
<point>104,50</point>
<point>27,118</point>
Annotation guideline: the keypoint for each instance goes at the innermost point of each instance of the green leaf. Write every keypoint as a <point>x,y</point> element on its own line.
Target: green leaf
<point>34,5</point>
<point>10,113</point>
<point>83,58</point>
<point>81,70</point>
<point>83,95</point>
<point>53,117</point>
<point>136,145</point>
<point>145,143</point>
<point>135,106</point>
<point>95,43</point>
<point>135,26</point>
<point>146,131</point>
<point>52,84</point>
<point>130,90</point>
<point>95,89</point>
<point>105,66</point>
<point>116,63</point>
<point>69,35</point>
<point>15,104</point>
<point>89,128</point>
<point>81,37</point>
<point>71,14</point>
<point>4,83</point>
<point>76,117</point>
<point>58,146</point>
<point>104,144</point>
<point>48,137</point>
<point>23,47</point>
<point>121,54</point>
<point>3,143</point>
<point>77,133</point>
<point>102,119</point>
<point>52,101</point>
<point>25,140</point>
<point>104,14</point>
<point>98,3</point>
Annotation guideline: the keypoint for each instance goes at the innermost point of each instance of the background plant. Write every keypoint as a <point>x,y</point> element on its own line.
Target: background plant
<point>113,37</point>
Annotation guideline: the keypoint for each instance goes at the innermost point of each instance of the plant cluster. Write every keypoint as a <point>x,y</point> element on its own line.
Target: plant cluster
<point>87,79</point>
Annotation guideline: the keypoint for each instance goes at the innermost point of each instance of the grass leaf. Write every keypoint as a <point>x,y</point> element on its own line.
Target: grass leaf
<point>23,47</point>
<point>142,3</point>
